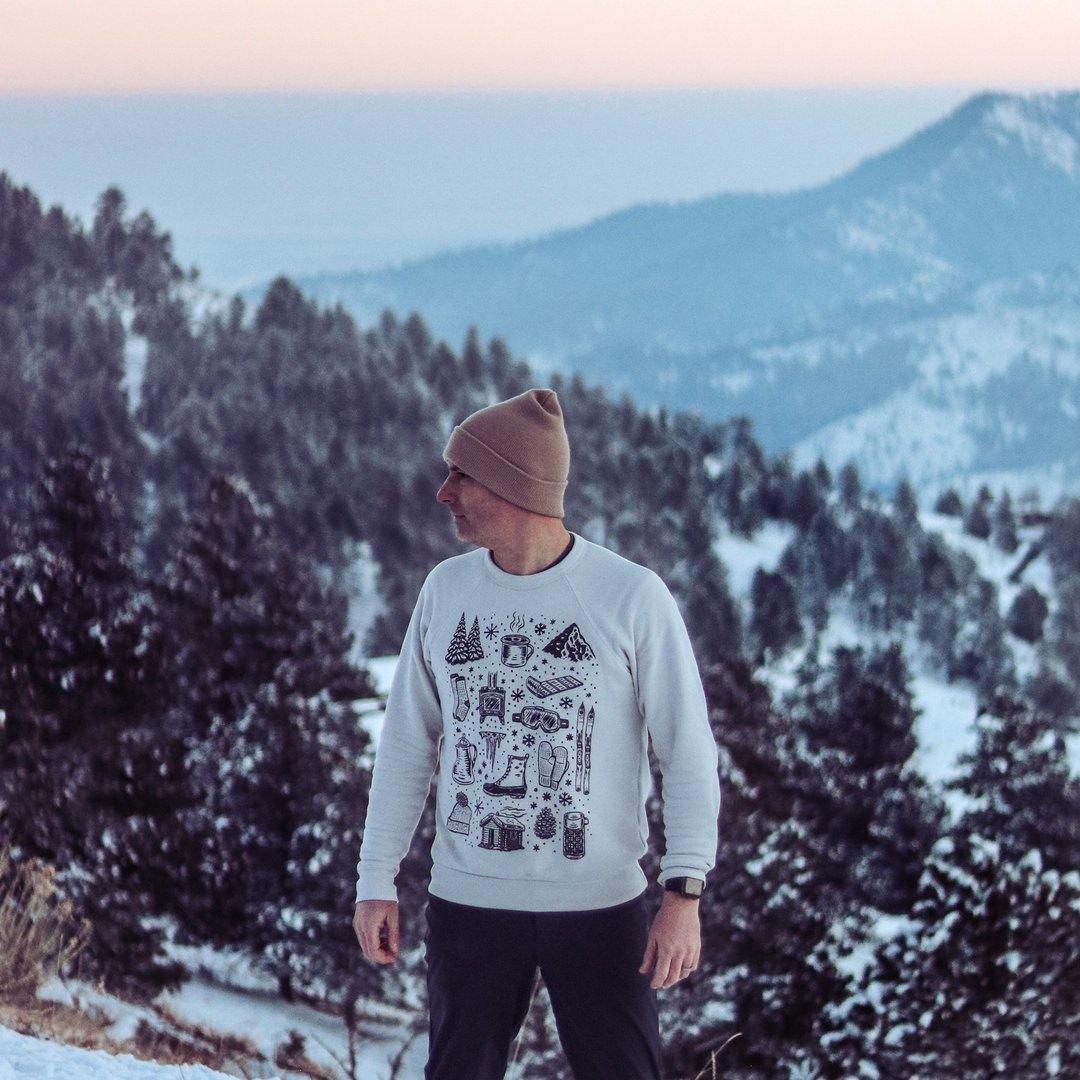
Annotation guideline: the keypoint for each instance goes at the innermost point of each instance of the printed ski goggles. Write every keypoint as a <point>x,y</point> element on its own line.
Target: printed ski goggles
<point>539,719</point>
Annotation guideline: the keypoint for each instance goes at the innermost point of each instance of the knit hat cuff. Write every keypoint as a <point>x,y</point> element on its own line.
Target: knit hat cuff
<point>503,477</point>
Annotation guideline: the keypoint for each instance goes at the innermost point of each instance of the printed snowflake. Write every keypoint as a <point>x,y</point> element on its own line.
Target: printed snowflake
<point>533,805</point>
<point>518,694</point>
<point>536,847</point>
<point>541,628</point>
<point>570,735</point>
<point>516,747</point>
<point>491,631</point>
<point>565,702</point>
<point>547,795</point>
<point>564,798</point>
<point>528,740</point>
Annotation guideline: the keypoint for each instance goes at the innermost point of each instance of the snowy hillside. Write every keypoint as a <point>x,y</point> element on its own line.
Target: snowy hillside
<point>916,314</point>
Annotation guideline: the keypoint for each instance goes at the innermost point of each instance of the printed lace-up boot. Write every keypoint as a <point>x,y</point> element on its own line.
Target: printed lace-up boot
<point>512,781</point>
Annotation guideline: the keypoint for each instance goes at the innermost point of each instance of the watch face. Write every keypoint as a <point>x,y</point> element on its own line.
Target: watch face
<point>687,886</point>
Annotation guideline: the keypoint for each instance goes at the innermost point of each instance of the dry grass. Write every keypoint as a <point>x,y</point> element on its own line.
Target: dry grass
<point>39,935</point>
<point>40,938</point>
<point>84,1028</point>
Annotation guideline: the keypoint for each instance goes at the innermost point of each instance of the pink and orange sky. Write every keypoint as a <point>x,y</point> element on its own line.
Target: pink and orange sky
<point>134,45</point>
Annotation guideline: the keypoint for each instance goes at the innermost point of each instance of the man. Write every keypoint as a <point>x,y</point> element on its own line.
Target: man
<point>533,671</point>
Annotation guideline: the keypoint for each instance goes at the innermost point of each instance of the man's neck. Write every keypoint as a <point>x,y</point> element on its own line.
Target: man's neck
<point>530,555</point>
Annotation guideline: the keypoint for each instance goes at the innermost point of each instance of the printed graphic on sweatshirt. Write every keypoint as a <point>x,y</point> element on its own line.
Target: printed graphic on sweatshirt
<point>524,705</point>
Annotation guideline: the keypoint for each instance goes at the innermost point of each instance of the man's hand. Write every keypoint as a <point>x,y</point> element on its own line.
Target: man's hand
<point>674,944</point>
<point>376,926</point>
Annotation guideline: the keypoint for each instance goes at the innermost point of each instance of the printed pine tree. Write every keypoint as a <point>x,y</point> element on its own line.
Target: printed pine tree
<point>474,648</point>
<point>458,651</point>
<point>545,824</point>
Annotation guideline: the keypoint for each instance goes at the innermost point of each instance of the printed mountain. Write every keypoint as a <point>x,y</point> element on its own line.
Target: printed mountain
<point>570,645</point>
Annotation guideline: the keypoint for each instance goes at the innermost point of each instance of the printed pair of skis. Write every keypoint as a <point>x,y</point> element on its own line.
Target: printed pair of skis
<point>584,748</point>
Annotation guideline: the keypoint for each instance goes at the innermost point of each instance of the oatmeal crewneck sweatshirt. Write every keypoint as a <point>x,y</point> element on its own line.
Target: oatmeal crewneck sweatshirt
<point>532,697</point>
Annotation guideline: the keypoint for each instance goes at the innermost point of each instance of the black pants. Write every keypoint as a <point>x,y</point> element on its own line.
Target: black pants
<point>481,966</point>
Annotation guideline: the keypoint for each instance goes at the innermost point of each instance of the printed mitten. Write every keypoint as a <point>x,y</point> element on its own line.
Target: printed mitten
<point>562,762</point>
<point>553,764</point>
<point>546,761</point>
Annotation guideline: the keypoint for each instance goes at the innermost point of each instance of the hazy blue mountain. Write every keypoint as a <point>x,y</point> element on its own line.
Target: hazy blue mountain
<point>932,286</point>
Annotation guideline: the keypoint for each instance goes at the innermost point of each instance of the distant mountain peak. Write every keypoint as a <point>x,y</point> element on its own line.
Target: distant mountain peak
<point>1045,125</point>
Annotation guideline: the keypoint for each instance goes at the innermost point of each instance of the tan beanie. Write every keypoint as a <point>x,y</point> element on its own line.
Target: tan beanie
<point>517,448</point>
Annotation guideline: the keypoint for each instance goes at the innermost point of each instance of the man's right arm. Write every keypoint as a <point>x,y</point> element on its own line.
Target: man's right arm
<point>405,760</point>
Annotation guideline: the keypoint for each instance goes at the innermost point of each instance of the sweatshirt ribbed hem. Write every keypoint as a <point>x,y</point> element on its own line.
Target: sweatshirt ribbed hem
<point>525,895</point>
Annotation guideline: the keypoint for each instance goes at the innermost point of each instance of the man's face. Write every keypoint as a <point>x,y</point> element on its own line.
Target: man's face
<point>478,512</point>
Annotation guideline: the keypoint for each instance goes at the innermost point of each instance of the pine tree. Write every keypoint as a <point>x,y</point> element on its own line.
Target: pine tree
<point>977,521</point>
<point>239,606</point>
<point>1004,525</point>
<point>774,619</point>
<point>290,792</point>
<point>80,675</point>
<point>987,983</point>
<point>855,780</point>
<point>772,923</point>
<point>1017,784</point>
<point>985,978</point>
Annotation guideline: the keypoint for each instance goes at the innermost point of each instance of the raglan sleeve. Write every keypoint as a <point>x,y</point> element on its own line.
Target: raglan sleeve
<point>405,760</point>
<point>672,701</point>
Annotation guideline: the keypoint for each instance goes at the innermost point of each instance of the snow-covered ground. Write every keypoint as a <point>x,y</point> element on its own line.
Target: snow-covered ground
<point>228,996</point>
<point>944,726</point>
<point>23,1057</point>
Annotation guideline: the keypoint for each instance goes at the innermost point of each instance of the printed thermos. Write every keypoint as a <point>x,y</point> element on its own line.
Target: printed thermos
<point>573,837</point>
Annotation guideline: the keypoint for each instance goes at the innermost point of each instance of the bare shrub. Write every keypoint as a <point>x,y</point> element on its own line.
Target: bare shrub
<point>39,934</point>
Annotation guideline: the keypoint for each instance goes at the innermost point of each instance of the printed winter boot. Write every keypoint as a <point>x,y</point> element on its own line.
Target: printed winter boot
<point>512,781</point>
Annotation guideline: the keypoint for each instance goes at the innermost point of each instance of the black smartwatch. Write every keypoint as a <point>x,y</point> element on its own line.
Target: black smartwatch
<point>685,886</point>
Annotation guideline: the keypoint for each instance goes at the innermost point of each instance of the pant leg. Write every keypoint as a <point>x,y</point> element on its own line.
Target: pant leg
<point>481,964</point>
<point>604,1008</point>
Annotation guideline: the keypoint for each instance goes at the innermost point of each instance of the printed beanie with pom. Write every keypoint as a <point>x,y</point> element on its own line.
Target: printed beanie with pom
<point>518,448</point>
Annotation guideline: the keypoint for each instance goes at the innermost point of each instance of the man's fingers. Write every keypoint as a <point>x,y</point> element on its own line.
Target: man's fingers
<point>385,933</point>
<point>392,924</point>
<point>663,967</point>
<point>650,954</point>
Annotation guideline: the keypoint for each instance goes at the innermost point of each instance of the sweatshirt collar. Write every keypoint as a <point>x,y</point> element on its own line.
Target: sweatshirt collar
<point>541,577</point>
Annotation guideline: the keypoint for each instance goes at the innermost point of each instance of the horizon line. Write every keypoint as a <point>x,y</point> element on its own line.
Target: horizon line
<point>1012,87</point>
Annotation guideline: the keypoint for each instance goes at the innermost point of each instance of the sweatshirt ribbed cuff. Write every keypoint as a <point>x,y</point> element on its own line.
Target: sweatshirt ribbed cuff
<point>375,885</point>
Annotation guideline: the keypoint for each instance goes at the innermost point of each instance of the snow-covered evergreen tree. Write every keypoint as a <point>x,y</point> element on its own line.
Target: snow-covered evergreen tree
<point>256,639</point>
<point>985,981</point>
<point>855,781</point>
<point>80,673</point>
<point>772,922</point>
<point>275,765</point>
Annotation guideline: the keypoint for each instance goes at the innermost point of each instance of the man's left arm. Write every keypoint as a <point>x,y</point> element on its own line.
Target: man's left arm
<point>672,701</point>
